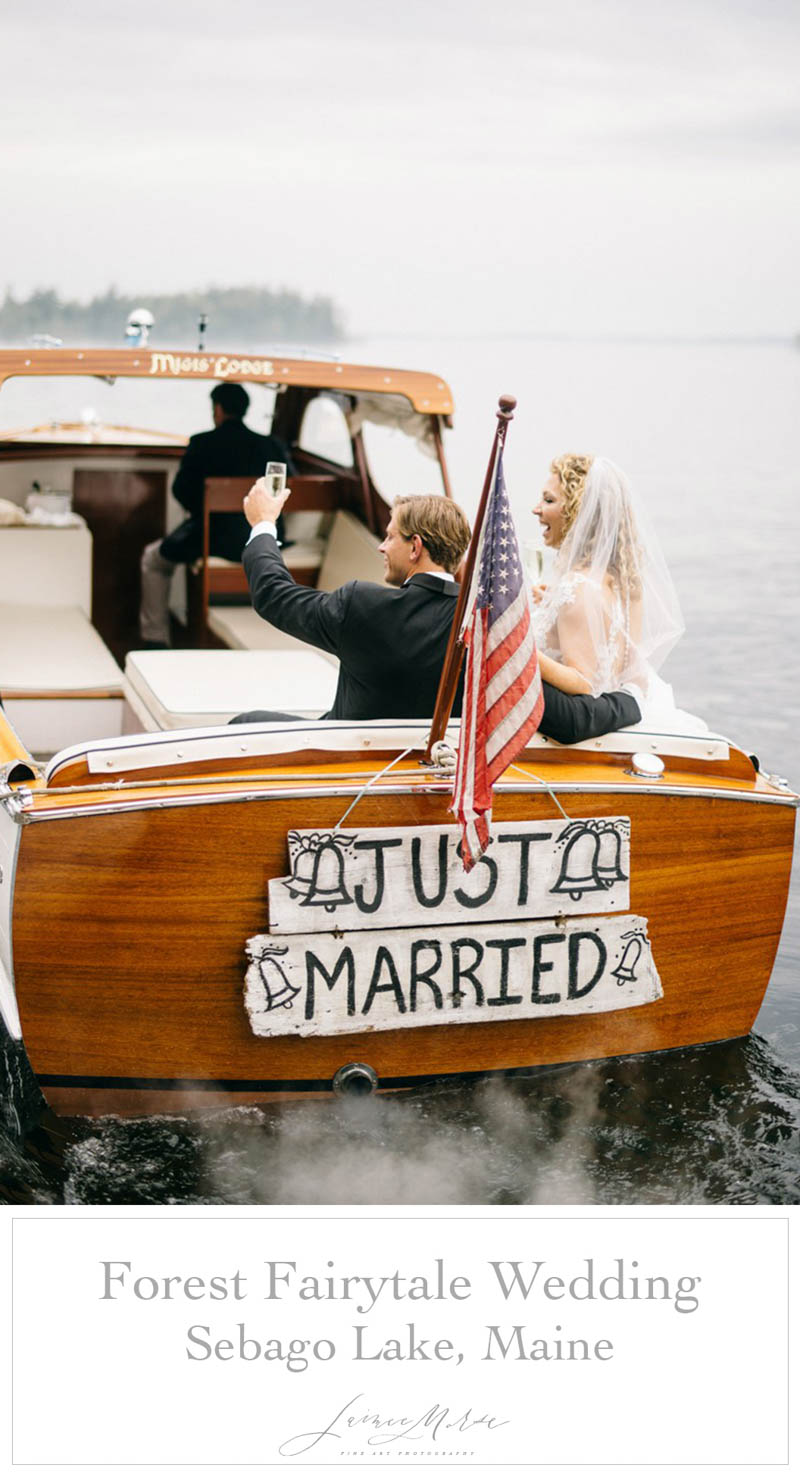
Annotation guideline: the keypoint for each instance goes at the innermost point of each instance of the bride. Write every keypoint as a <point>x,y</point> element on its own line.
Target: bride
<point>610,615</point>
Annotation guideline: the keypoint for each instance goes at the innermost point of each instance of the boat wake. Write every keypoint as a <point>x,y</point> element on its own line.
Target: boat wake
<point>718,1125</point>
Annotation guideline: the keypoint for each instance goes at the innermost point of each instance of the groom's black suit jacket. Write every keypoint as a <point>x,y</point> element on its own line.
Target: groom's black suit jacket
<point>391,642</point>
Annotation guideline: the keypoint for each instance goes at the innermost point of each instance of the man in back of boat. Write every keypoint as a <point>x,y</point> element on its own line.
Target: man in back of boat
<point>391,640</point>
<point>231,450</point>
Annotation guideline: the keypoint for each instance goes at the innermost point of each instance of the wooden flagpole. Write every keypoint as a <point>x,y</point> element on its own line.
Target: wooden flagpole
<point>455,647</point>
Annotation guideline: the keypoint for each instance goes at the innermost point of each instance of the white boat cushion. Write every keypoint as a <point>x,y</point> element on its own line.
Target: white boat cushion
<point>351,554</point>
<point>306,556</point>
<point>241,627</point>
<point>53,649</point>
<point>47,567</point>
<point>185,690</point>
<point>49,725</point>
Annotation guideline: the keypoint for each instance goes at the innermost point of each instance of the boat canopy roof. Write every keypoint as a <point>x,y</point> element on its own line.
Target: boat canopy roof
<point>426,393</point>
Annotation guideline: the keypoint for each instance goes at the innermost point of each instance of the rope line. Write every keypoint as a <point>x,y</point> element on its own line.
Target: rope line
<point>547,788</point>
<point>365,788</point>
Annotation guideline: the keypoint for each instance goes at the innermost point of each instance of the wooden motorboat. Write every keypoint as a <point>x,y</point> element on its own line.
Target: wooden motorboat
<point>193,915</point>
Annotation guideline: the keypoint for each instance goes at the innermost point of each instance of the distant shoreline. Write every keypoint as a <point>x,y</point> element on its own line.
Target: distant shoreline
<point>251,314</point>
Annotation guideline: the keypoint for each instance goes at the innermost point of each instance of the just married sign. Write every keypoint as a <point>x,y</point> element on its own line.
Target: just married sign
<point>382,929</point>
<point>414,876</point>
<point>368,981</point>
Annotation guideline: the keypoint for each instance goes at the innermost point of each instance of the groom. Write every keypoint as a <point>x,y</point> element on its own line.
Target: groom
<point>391,640</point>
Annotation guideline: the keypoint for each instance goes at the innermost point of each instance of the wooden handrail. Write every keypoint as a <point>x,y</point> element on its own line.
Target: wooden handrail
<point>448,682</point>
<point>311,493</point>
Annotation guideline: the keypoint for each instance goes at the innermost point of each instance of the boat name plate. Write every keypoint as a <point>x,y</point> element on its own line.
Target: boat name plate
<point>369,982</point>
<point>378,877</point>
<point>218,366</point>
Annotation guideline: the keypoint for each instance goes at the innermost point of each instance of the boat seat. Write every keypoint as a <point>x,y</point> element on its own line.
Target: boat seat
<point>233,620</point>
<point>58,680</point>
<point>314,498</point>
<point>46,566</point>
<point>299,557</point>
<point>241,627</point>
<point>351,554</point>
<point>191,690</point>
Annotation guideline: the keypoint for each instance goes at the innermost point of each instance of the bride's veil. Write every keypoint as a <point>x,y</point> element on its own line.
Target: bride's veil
<point>611,548</point>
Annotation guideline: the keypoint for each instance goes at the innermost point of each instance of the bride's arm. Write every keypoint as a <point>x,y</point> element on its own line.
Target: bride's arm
<point>563,676</point>
<point>580,623</point>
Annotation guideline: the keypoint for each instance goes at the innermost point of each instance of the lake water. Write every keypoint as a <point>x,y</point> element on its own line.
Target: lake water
<point>708,434</point>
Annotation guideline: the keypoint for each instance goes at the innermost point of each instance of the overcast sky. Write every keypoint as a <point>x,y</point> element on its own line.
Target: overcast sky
<point>435,166</point>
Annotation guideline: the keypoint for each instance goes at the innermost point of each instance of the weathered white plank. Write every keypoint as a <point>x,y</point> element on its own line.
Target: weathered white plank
<point>370,981</point>
<point>384,876</point>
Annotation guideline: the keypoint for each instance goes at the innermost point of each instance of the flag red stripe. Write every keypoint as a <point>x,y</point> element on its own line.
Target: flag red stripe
<point>512,640</point>
<point>517,741</point>
<point>503,696</point>
<point>516,690</point>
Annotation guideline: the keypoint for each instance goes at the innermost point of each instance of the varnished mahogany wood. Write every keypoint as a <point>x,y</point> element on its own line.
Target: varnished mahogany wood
<point>57,694</point>
<point>129,935</point>
<point>310,493</point>
<point>124,511</point>
<point>427,393</point>
<point>437,437</point>
<point>19,451</point>
<point>368,490</point>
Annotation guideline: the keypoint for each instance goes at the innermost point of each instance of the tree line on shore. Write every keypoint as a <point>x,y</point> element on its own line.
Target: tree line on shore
<point>249,317</point>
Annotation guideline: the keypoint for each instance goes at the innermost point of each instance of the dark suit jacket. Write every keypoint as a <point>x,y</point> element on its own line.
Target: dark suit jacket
<point>391,642</point>
<point>231,450</point>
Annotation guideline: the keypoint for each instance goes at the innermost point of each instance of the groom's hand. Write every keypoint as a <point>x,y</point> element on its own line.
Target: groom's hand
<point>260,504</point>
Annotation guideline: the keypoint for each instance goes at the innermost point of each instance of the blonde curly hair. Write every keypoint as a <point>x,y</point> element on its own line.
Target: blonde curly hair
<point>572,471</point>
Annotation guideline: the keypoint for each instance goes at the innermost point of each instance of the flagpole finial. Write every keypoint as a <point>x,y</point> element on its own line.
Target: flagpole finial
<point>507,406</point>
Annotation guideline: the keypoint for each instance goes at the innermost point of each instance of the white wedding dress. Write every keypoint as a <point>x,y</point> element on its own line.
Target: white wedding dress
<point>586,620</point>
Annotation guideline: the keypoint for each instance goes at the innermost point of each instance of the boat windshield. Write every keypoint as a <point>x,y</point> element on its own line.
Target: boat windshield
<point>400,464</point>
<point>179,407</point>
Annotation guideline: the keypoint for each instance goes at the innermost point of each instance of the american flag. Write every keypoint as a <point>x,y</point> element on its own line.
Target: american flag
<point>503,698</point>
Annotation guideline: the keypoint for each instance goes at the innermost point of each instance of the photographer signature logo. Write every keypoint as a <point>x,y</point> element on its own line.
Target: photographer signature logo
<point>436,1425</point>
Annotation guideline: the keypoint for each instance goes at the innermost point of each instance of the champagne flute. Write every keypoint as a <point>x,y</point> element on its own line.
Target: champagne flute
<point>534,562</point>
<point>275,477</point>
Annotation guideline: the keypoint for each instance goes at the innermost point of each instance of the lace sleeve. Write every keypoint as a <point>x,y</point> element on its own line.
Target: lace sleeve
<point>546,614</point>
<point>584,635</point>
<point>582,625</point>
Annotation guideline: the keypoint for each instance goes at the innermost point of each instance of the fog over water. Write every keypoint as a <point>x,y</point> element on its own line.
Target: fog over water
<point>582,167</point>
<point>707,433</point>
